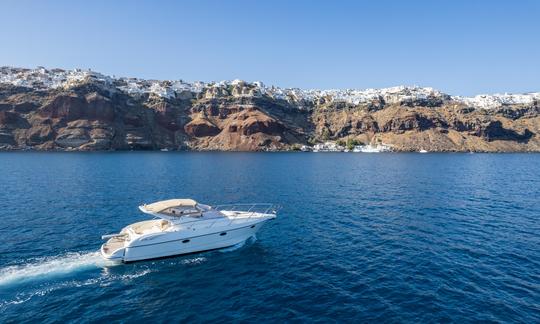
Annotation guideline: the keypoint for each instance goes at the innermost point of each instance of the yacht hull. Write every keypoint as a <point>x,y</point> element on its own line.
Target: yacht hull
<point>170,244</point>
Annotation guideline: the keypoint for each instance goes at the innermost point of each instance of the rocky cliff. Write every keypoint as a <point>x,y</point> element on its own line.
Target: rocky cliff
<point>82,110</point>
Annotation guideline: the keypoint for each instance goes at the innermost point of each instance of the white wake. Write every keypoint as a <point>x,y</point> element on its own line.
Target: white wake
<point>105,279</point>
<point>46,267</point>
<point>51,266</point>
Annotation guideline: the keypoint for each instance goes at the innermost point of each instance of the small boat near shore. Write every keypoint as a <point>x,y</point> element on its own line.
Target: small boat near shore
<point>370,148</point>
<point>183,226</point>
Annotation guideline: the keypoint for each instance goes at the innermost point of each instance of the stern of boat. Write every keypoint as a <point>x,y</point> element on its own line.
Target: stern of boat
<point>114,249</point>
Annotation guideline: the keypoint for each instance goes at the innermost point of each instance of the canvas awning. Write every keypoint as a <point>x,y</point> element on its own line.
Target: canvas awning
<point>165,204</point>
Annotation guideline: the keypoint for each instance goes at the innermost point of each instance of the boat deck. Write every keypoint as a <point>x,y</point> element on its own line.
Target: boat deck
<point>113,245</point>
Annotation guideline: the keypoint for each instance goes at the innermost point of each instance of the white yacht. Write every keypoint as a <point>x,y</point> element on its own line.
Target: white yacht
<point>184,226</point>
<point>370,148</point>
<point>327,147</point>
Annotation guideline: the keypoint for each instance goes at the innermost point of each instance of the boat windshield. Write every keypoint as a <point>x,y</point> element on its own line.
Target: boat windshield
<point>183,211</point>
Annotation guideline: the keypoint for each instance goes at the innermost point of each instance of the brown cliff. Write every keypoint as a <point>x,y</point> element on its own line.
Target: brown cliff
<point>91,116</point>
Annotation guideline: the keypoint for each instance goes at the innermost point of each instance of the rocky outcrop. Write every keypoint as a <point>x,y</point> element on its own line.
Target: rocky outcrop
<point>85,135</point>
<point>200,127</point>
<point>89,111</point>
<point>450,127</point>
<point>72,107</point>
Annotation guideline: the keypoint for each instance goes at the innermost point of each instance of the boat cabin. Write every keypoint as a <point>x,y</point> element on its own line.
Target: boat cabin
<point>175,208</point>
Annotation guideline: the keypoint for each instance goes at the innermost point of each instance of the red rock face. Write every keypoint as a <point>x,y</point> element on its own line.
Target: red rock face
<point>99,108</point>
<point>65,107</point>
<point>260,123</point>
<point>166,115</point>
<point>69,108</point>
<point>200,128</point>
<point>242,129</point>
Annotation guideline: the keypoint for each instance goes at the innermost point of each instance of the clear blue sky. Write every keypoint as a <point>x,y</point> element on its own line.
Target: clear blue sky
<point>461,47</point>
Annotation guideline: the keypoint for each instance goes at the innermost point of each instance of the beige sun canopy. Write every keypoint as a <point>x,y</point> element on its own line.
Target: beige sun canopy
<point>160,206</point>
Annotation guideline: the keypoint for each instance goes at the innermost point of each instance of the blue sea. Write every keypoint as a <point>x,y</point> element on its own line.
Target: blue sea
<point>361,238</point>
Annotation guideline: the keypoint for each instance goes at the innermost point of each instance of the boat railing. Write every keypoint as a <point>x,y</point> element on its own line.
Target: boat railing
<point>249,208</point>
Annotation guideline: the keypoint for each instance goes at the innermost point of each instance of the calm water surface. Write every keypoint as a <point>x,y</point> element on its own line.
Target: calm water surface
<point>382,237</point>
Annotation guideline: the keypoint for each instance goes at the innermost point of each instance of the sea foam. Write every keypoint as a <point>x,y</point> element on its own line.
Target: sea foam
<point>51,266</point>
